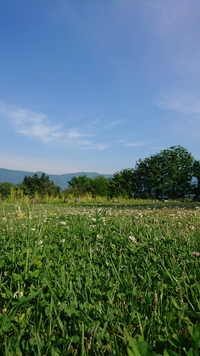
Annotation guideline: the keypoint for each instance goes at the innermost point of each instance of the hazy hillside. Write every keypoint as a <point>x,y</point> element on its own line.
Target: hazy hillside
<point>15,177</point>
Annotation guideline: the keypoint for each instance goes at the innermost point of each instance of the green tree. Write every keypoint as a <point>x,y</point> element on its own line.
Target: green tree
<point>47,186</point>
<point>5,189</point>
<point>80,185</point>
<point>166,174</point>
<point>40,185</point>
<point>99,186</point>
<point>123,183</point>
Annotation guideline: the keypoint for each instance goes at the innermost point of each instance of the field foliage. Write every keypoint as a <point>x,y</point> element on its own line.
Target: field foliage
<point>99,280</point>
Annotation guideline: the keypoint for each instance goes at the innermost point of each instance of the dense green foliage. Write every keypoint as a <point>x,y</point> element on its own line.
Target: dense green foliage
<point>40,185</point>
<point>5,189</point>
<point>166,175</point>
<point>196,173</point>
<point>99,281</point>
<point>82,185</point>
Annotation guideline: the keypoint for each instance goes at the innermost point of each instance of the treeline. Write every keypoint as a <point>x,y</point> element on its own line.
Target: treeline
<point>171,174</point>
<point>32,187</point>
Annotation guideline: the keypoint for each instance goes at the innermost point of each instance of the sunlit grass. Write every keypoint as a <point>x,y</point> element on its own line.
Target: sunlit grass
<point>99,280</point>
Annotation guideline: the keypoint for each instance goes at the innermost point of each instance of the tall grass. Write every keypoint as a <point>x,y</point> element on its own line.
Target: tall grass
<point>99,280</point>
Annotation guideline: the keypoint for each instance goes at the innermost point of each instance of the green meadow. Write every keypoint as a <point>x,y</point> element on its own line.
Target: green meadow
<point>99,280</point>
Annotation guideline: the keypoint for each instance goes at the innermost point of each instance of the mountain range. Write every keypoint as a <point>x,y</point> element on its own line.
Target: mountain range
<point>15,177</point>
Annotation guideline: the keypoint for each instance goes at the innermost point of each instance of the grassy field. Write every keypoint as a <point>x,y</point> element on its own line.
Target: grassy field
<point>99,280</point>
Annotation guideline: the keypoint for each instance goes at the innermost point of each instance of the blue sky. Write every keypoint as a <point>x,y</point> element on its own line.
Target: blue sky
<point>95,85</point>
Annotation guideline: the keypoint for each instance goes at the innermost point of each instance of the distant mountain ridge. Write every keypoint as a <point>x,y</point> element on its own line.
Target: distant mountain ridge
<point>15,177</point>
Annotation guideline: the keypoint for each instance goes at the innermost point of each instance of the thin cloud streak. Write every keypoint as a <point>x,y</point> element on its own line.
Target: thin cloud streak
<point>31,123</point>
<point>136,144</point>
<point>38,125</point>
<point>112,124</point>
<point>182,103</point>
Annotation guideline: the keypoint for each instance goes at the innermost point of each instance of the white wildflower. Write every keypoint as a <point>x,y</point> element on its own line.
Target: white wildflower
<point>133,239</point>
<point>17,294</point>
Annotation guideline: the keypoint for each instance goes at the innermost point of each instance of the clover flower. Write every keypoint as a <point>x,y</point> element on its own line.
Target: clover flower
<point>18,294</point>
<point>133,239</point>
<point>191,227</point>
<point>196,253</point>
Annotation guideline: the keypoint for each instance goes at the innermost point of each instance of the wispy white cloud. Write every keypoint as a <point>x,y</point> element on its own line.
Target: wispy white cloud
<point>78,138</point>
<point>136,144</point>
<point>121,141</point>
<point>184,103</point>
<point>37,125</point>
<point>74,133</point>
<point>96,146</point>
<point>112,124</point>
<point>31,123</point>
